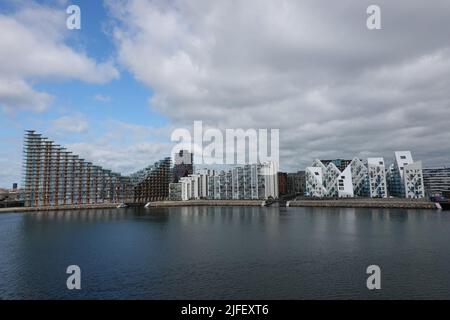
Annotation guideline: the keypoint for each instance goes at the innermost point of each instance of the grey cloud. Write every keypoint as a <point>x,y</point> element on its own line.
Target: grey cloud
<point>310,68</point>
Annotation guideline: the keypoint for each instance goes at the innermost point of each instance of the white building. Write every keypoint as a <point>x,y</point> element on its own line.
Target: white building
<point>270,172</point>
<point>328,181</point>
<point>331,176</point>
<point>377,177</point>
<point>413,180</point>
<point>405,176</point>
<point>345,184</point>
<point>366,178</point>
<point>359,177</point>
<point>204,176</point>
<point>314,182</point>
<point>255,181</point>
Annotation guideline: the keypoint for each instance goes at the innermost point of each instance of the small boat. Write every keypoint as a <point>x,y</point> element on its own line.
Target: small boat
<point>122,205</point>
<point>269,202</point>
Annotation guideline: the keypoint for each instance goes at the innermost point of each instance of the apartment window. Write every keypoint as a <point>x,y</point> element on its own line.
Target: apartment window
<point>402,157</point>
<point>316,173</point>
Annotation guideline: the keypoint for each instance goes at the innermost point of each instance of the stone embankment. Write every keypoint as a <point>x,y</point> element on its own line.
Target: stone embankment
<point>329,203</point>
<point>366,203</point>
<point>67,207</point>
<point>336,203</point>
<point>220,203</point>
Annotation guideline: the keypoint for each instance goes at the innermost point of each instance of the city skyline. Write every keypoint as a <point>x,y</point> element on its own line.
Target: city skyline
<point>115,90</point>
<point>195,167</point>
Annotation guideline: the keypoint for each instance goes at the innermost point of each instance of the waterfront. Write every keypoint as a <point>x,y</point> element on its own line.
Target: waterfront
<point>225,253</point>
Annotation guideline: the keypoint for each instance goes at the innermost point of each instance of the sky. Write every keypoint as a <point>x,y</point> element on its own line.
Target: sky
<point>115,90</point>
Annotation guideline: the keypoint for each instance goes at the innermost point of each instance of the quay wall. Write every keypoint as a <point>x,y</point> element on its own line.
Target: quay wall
<point>330,203</point>
<point>66,207</point>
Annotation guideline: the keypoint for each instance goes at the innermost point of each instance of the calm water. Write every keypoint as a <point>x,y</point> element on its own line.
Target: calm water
<point>232,253</point>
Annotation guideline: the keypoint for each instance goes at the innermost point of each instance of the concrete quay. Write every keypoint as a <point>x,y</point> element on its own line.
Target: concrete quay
<point>66,207</point>
<point>211,203</point>
<point>328,203</point>
<point>331,203</point>
<point>366,203</point>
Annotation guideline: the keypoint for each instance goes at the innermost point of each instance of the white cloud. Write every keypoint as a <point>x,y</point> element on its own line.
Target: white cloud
<point>124,147</point>
<point>33,46</point>
<point>16,93</point>
<point>124,159</point>
<point>334,88</point>
<point>71,124</point>
<point>102,98</point>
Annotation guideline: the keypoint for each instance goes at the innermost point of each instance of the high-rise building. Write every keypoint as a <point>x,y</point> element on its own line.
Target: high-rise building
<point>152,182</point>
<point>54,176</point>
<point>183,165</point>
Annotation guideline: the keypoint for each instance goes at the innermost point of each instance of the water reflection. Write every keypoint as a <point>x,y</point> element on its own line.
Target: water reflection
<point>224,252</point>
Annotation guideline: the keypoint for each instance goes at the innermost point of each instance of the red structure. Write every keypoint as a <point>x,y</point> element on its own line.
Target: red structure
<point>282,183</point>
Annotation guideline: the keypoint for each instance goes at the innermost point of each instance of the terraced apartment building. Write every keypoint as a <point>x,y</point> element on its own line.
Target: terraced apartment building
<point>54,176</point>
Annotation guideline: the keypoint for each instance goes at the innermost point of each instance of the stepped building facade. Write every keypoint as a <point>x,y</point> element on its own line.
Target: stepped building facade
<point>54,176</point>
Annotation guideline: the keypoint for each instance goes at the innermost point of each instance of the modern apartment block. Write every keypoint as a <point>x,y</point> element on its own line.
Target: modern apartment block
<point>152,182</point>
<point>377,178</point>
<point>328,181</point>
<point>360,178</point>
<point>253,181</point>
<point>315,182</point>
<point>437,181</point>
<point>405,177</point>
<point>366,178</point>
<point>54,176</point>
<point>175,191</point>
<point>269,173</point>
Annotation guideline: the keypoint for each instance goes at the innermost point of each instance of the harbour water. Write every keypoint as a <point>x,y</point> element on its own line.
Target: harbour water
<point>225,253</point>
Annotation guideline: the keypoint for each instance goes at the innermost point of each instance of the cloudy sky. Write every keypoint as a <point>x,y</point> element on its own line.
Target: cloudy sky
<point>115,90</point>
